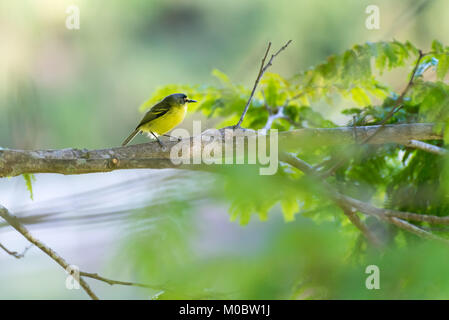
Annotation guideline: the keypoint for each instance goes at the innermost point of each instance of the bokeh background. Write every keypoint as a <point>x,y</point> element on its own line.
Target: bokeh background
<point>63,88</point>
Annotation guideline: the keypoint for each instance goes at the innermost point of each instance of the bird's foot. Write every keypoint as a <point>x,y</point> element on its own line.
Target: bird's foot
<point>163,147</point>
<point>172,138</point>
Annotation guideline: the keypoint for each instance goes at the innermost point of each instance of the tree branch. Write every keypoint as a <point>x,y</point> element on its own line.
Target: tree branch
<point>359,224</point>
<point>12,220</point>
<point>344,201</point>
<point>14,253</point>
<point>347,209</point>
<point>151,156</point>
<point>427,147</point>
<point>111,282</point>
<point>417,217</point>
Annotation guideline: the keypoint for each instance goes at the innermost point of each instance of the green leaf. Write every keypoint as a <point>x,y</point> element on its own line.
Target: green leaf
<point>391,54</point>
<point>29,178</point>
<point>349,71</point>
<point>437,46</point>
<point>411,48</point>
<point>222,77</point>
<point>360,97</point>
<point>443,66</point>
<point>289,208</point>
<point>272,91</point>
<point>433,99</point>
<point>381,58</point>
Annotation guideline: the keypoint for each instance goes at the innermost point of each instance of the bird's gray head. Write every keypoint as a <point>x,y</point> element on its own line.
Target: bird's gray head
<point>178,99</point>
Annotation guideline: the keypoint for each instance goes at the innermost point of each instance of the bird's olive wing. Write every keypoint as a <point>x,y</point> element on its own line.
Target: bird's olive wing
<point>155,112</point>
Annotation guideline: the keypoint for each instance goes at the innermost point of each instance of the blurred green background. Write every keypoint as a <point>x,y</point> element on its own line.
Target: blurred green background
<point>82,88</point>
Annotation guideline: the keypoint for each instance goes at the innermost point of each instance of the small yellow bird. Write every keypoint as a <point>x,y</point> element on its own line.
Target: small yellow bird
<point>162,117</point>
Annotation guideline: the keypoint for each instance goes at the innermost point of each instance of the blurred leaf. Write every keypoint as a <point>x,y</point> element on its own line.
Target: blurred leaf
<point>360,97</point>
<point>443,66</point>
<point>290,207</point>
<point>222,77</point>
<point>29,178</point>
<point>437,46</point>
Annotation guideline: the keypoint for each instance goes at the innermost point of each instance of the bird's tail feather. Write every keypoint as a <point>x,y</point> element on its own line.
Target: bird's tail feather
<point>131,136</point>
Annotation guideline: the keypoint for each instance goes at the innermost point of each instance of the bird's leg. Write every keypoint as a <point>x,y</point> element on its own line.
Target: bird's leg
<point>158,140</point>
<point>169,136</point>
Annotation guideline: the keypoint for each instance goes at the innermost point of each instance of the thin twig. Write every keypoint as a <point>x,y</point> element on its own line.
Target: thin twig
<point>263,68</point>
<point>14,253</point>
<point>426,147</point>
<point>113,282</point>
<point>416,230</point>
<point>12,220</point>
<point>359,224</point>
<point>417,217</point>
<point>385,215</point>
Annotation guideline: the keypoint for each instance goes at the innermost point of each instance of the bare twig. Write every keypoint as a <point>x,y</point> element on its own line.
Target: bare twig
<point>12,220</point>
<point>417,217</point>
<point>263,68</point>
<point>111,282</point>
<point>14,253</point>
<point>416,230</point>
<point>386,215</point>
<point>359,224</point>
<point>427,147</point>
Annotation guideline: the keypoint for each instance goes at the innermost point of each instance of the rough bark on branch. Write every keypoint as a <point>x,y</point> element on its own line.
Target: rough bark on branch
<point>152,156</point>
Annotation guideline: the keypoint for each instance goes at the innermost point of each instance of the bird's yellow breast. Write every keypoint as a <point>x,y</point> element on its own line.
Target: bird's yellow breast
<point>166,122</point>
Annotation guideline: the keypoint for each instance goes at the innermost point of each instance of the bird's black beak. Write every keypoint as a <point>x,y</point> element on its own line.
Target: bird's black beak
<point>190,100</point>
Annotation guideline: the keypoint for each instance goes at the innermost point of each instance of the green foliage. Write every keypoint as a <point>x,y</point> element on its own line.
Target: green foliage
<point>349,75</point>
<point>433,98</point>
<point>441,55</point>
<point>257,194</point>
<point>319,253</point>
<point>299,261</point>
<point>373,173</point>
